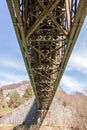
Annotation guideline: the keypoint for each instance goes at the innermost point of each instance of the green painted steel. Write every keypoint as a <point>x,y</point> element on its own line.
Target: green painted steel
<point>47,32</point>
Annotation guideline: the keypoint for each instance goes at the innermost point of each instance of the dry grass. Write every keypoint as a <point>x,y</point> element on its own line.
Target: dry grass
<point>6,127</point>
<point>5,110</point>
<point>26,127</point>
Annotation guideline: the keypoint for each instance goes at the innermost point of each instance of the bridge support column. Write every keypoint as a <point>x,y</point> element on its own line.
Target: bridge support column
<point>41,113</point>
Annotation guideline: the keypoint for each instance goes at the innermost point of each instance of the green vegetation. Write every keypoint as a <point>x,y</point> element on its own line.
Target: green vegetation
<point>28,92</point>
<point>64,104</point>
<point>4,109</point>
<point>1,93</point>
<point>15,100</point>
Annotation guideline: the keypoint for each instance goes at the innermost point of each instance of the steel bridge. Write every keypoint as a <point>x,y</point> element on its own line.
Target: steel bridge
<point>47,31</point>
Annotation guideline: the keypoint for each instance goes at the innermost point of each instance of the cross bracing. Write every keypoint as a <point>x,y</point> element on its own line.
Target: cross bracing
<point>47,31</point>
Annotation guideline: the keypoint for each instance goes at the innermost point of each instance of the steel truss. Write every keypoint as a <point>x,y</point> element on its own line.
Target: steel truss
<point>47,31</point>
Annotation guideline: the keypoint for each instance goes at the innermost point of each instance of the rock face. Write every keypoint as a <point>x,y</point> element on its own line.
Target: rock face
<point>65,117</point>
<point>68,112</point>
<point>18,87</point>
<point>25,113</point>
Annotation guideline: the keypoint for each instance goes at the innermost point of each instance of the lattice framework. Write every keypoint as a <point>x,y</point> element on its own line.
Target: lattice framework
<point>47,31</point>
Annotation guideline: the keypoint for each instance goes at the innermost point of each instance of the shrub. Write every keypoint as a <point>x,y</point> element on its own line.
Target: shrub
<point>64,104</point>
<point>15,100</point>
<point>1,93</point>
<point>28,92</point>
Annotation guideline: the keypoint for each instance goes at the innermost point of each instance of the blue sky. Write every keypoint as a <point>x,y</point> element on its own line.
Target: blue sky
<point>75,76</point>
<point>12,68</point>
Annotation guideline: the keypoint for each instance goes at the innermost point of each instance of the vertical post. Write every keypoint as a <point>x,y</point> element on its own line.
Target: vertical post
<point>25,13</point>
<point>68,5</point>
<point>41,114</point>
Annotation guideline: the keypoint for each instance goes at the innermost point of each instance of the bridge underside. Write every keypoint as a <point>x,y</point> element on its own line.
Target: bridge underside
<point>47,31</point>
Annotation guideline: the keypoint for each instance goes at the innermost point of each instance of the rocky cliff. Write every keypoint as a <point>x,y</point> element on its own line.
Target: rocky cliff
<point>18,87</point>
<point>67,112</point>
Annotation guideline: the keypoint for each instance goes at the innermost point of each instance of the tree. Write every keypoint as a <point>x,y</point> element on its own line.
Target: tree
<point>64,104</point>
<point>28,92</point>
<point>15,100</point>
<point>1,93</point>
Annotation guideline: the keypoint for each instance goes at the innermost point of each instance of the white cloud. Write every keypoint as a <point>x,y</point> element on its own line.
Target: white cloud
<point>2,82</point>
<point>78,61</point>
<point>11,63</point>
<point>8,78</point>
<point>72,84</point>
<point>17,73</point>
<point>77,65</point>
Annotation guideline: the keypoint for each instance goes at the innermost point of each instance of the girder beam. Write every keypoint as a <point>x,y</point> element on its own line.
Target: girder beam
<point>22,42</point>
<point>76,27</point>
<point>53,19</point>
<point>47,32</point>
<point>40,19</point>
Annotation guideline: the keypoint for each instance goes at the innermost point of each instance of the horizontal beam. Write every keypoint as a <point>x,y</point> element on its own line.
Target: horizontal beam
<point>59,27</point>
<point>42,54</point>
<point>41,17</point>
